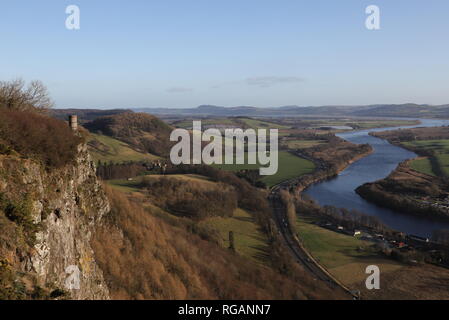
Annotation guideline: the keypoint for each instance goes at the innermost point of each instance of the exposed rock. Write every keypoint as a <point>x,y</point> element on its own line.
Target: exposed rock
<point>67,203</point>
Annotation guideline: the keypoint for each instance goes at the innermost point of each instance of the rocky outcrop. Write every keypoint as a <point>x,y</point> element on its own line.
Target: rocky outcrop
<point>65,204</point>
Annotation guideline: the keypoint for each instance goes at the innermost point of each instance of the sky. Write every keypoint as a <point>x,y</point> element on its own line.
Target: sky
<point>180,53</point>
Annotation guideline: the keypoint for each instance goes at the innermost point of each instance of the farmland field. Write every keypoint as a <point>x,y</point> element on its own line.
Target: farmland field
<point>343,256</point>
<point>422,165</point>
<point>302,144</point>
<point>441,149</point>
<point>133,185</point>
<point>290,166</point>
<point>262,124</point>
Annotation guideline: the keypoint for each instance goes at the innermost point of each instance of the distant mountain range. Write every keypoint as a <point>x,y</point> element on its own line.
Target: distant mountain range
<point>409,110</point>
<point>380,110</point>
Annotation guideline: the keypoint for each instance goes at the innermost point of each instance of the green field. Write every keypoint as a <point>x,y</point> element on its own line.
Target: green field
<point>343,256</point>
<point>234,122</point>
<point>384,124</point>
<point>436,145</point>
<point>302,144</point>
<point>125,185</point>
<point>261,124</point>
<point>206,122</point>
<point>290,166</point>
<point>249,240</point>
<point>133,185</point>
<point>108,149</point>
<point>441,148</point>
<point>422,165</point>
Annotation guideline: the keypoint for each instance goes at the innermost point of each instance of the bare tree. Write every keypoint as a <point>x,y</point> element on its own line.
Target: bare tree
<point>15,95</point>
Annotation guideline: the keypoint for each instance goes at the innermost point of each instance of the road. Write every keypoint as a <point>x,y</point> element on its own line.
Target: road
<point>297,251</point>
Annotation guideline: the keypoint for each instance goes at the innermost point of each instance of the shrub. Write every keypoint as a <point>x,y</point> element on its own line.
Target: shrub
<point>20,212</point>
<point>39,137</point>
<point>15,96</point>
<point>188,198</point>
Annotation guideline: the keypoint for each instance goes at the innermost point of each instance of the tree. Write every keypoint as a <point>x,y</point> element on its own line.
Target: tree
<point>15,95</point>
<point>231,241</point>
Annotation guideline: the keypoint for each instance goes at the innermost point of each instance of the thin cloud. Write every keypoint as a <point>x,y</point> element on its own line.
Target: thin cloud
<point>262,82</point>
<point>179,90</point>
<point>270,81</point>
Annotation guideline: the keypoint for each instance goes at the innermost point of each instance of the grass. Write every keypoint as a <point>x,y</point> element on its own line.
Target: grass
<point>108,149</point>
<point>382,124</point>
<point>422,165</point>
<point>302,144</point>
<point>249,240</point>
<point>133,185</point>
<point>344,256</point>
<point>441,148</point>
<point>289,167</point>
<point>125,185</point>
<point>261,124</point>
<point>437,145</point>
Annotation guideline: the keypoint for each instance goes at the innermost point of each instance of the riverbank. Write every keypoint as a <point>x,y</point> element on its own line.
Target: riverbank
<point>325,169</point>
<point>339,190</point>
<point>409,192</point>
<point>430,143</point>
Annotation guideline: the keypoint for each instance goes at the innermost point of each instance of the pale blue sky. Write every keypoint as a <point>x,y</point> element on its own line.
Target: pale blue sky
<point>167,53</point>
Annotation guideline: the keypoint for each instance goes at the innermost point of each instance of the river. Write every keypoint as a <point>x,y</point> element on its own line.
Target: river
<point>340,191</point>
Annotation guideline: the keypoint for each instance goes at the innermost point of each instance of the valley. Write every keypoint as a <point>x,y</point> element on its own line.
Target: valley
<point>228,214</point>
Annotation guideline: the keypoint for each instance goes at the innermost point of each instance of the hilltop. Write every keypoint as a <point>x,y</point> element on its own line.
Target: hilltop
<point>142,131</point>
<point>84,115</point>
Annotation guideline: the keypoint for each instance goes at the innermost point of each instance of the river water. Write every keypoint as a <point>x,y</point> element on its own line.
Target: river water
<point>340,191</point>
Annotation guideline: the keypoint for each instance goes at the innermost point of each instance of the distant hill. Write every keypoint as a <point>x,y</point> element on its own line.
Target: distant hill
<point>381,110</point>
<point>84,115</point>
<point>142,131</point>
<point>106,149</point>
<point>406,110</point>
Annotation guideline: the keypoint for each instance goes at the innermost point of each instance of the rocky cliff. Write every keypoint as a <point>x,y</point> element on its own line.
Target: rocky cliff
<point>47,221</point>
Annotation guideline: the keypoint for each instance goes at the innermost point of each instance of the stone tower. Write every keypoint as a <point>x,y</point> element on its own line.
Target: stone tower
<point>73,122</point>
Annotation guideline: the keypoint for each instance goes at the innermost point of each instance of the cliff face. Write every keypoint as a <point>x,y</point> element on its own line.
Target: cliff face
<point>65,205</point>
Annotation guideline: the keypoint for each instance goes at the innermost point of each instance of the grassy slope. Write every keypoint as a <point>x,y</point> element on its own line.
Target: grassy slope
<point>340,254</point>
<point>171,261</point>
<point>249,241</point>
<point>116,151</point>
